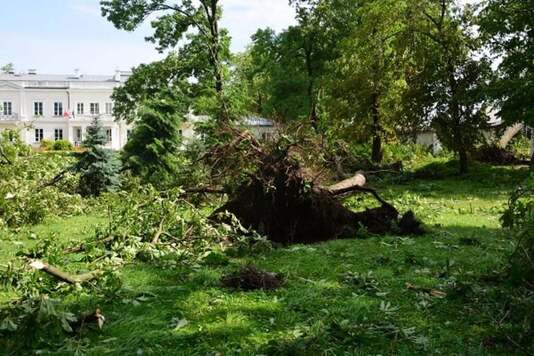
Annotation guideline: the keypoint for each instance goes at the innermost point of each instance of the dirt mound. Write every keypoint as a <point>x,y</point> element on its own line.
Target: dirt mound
<point>251,278</point>
<point>496,155</point>
<point>410,225</point>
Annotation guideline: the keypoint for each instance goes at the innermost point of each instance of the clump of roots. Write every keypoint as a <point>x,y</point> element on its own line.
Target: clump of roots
<point>252,278</point>
<point>282,202</point>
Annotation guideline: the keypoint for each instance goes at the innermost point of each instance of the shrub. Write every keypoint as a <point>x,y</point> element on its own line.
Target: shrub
<point>24,196</point>
<point>47,145</point>
<point>519,218</point>
<point>98,167</point>
<point>62,145</point>
<point>521,146</point>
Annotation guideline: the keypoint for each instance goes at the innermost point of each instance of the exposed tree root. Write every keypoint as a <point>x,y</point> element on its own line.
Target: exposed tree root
<point>280,203</point>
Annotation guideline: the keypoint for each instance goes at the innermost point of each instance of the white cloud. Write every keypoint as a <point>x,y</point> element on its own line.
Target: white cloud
<point>86,8</point>
<point>244,17</point>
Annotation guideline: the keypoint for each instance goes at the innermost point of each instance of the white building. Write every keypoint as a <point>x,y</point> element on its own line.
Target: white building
<point>61,107</point>
<point>55,107</point>
<point>261,128</point>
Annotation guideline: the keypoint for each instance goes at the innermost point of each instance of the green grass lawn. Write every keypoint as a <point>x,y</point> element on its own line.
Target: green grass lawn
<point>432,294</point>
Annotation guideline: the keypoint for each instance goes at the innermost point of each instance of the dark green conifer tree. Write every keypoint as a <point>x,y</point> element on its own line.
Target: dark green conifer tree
<point>152,151</point>
<point>98,166</point>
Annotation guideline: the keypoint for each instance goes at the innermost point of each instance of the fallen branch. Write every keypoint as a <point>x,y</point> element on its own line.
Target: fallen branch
<point>204,190</point>
<point>354,184</point>
<point>158,233</point>
<point>58,178</point>
<point>64,276</point>
<point>84,246</point>
<point>5,157</point>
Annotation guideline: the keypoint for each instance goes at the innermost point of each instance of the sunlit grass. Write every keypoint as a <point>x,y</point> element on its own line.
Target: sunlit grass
<point>322,308</point>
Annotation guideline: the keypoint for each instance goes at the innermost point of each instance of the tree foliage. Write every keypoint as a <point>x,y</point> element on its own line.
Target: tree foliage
<point>98,166</point>
<point>191,26</point>
<point>7,68</point>
<point>367,81</point>
<point>302,50</point>
<point>507,28</point>
<point>152,151</point>
<point>455,79</point>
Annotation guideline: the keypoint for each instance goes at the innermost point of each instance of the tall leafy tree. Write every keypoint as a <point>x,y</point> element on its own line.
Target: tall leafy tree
<point>455,81</point>
<point>150,80</point>
<point>507,27</point>
<point>303,51</point>
<point>367,80</point>
<point>272,56</point>
<point>190,24</point>
<point>98,166</point>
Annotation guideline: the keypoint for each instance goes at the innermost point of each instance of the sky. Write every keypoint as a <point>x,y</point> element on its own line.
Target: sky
<point>59,36</point>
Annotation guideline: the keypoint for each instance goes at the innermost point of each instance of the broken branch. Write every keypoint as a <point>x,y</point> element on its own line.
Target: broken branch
<point>64,276</point>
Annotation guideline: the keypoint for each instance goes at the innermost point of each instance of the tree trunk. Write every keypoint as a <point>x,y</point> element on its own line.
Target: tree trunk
<point>314,120</point>
<point>509,134</point>
<point>376,155</point>
<point>358,180</point>
<point>532,156</point>
<point>308,51</point>
<point>463,161</point>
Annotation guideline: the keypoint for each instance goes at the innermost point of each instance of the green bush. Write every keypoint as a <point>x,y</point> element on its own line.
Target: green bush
<point>25,198</point>
<point>521,146</point>
<point>47,145</point>
<point>409,153</point>
<point>519,218</point>
<point>62,145</point>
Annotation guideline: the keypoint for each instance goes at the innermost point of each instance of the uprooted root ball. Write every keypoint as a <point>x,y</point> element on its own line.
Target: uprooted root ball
<point>281,203</point>
<point>251,278</point>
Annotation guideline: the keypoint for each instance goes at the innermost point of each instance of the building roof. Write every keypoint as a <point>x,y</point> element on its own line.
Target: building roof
<point>81,78</point>
<point>257,121</point>
<point>247,121</point>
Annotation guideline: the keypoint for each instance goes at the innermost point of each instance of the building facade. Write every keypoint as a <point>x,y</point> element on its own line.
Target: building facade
<point>60,107</point>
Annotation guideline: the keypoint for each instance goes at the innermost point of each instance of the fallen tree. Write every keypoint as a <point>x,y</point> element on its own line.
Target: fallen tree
<point>281,202</point>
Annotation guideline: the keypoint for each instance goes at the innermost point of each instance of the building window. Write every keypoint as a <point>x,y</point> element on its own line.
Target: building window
<point>58,109</point>
<point>108,135</point>
<point>79,109</point>
<point>128,134</point>
<point>58,134</point>
<point>38,108</point>
<point>38,135</point>
<point>109,108</point>
<point>94,109</point>
<point>7,108</point>
<point>77,135</point>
